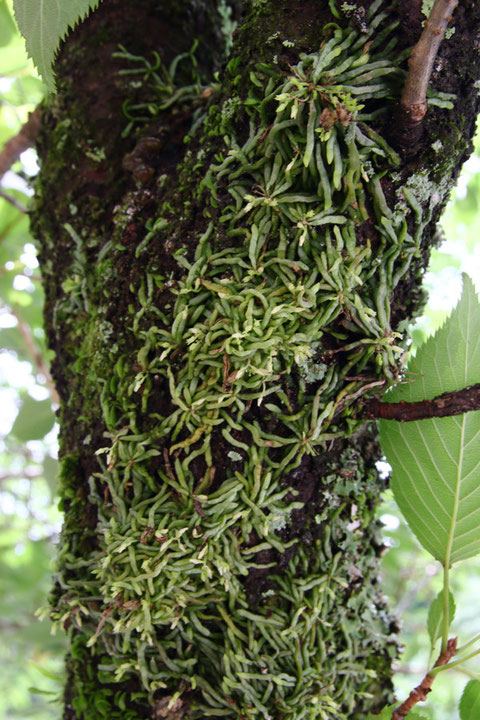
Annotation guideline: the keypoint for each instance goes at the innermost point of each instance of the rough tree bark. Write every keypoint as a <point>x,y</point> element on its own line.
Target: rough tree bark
<point>217,306</point>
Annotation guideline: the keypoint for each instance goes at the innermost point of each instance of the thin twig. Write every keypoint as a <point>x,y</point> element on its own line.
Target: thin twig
<point>32,278</point>
<point>24,139</point>
<point>413,103</point>
<point>36,355</point>
<point>419,694</point>
<point>456,402</point>
<point>13,201</point>
<point>12,625</point>
<point>414,96</point>
<point>20,476</point>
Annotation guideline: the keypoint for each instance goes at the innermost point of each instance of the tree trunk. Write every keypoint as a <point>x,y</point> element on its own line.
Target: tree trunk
<point>230,263</point>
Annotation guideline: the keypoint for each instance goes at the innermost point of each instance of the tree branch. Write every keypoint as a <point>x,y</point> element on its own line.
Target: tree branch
<point>419,694</point>
<point>451,403</point>
<point>413,103</point>
<point>36,355</point>
<point>24,139</point>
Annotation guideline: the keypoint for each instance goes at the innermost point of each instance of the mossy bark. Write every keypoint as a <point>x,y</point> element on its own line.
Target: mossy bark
<point>219,556</point>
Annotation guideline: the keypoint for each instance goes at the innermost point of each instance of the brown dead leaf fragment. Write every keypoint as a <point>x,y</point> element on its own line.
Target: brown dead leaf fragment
<point>330,116</point>
<point>327,119</point>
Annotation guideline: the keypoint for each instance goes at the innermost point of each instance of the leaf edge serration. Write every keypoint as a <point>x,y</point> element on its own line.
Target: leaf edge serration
<point>33,17</point>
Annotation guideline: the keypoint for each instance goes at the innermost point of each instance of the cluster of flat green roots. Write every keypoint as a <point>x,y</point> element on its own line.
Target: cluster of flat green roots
<point>282,263</point>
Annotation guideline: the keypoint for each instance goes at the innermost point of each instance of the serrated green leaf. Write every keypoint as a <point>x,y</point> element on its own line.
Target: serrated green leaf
<point>470,701</point>
<point>34,420</point>
<point>436,462</point>
<point>448,360</point>
<point>435,616</point>
<point>43,24</point>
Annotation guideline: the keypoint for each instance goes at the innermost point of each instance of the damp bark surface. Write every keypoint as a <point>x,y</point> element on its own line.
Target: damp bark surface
<point>232,247</point>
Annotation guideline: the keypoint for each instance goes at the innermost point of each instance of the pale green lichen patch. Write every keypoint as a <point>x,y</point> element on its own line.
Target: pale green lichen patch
<point>235,456</point>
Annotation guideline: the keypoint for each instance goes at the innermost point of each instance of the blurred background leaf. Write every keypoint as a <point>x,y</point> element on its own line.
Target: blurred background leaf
<point>7,26</point>
<point>34,420</point>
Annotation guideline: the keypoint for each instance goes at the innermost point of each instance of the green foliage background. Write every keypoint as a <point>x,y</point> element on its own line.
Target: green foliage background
<point>29,521</point>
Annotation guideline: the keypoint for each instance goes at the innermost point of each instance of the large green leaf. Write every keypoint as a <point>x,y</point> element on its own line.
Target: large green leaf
<point>43,23</point>
<point>436,462</point>
<point>470,701</point>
